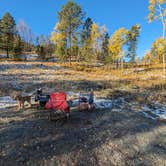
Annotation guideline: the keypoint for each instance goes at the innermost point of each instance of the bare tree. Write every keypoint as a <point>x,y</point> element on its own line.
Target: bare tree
<point>26,35</point>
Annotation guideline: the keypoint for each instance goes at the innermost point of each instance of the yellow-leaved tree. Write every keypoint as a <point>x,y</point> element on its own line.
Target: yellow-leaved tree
<point>116,42</point>
<point>59,39</point>
<point>147,59</point>
<point>157,10</point>
<point>94,40</point>
<point>158,50</point>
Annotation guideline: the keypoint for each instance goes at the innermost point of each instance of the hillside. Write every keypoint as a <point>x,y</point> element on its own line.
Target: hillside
<point>131,132</point>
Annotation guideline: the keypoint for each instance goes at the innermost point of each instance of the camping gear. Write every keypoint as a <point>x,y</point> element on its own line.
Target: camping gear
<point>83,99</point>
<point>58,101</point>
<point>42,98</point>
<point>86,102</point>
<point>38,94</point>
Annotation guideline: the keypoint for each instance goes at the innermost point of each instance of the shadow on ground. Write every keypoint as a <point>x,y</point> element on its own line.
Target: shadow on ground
<point>101,137</point>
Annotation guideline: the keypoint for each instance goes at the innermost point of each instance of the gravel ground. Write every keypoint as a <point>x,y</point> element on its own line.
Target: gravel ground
<point>103,137</point>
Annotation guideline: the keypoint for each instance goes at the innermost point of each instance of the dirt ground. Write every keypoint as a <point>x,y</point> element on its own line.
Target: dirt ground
<point>118,136</point>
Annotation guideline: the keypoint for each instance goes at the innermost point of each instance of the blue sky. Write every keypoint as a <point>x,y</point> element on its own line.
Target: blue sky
<point>41,16</point>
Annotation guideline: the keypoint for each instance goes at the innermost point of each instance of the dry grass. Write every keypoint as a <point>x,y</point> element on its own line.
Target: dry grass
<point>63,77</point>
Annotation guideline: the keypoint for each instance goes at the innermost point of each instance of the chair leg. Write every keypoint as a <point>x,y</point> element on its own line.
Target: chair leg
<point>49,116</point>
<point>67,115</point>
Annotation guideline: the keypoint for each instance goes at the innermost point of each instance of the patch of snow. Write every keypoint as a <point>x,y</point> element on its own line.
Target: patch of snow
<point>3,55</point>
<point>116,110</point>
<point>148,116</point>
<point>15,85</point>
<point>29,56</point>
<point>99,103</point>
<point>103,103</point>
<point>160,112</point>
<point>146,108</point>
<point>7,101</point>
<point>163,116</point>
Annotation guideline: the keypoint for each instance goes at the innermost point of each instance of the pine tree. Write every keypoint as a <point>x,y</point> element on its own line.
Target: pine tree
<point>132,39</point>
<point>105,46</point>
<point>0,35</point>
<point>37,45</point>
<point>49,46</point>
<point>86,49</point>
<point>8,31</point>
<point>86,32</point>
<point>18,46</point>
<point>70,19</point>
<point>41,46</point>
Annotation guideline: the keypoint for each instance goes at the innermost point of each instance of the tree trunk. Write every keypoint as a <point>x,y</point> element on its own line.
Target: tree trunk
<point>164,54</point>
<point>164,65</point>
<point>70,33</point>
<point>163,23</point>
<point>117,64</point>
<point>122,65</point>
<point>70,53</point>
<point>7,52</point>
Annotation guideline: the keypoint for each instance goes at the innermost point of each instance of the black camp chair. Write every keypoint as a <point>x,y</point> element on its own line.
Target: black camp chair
<point>42,98</point>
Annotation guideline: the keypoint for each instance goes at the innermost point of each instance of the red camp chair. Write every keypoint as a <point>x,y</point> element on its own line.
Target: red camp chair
<point>58,101</point>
